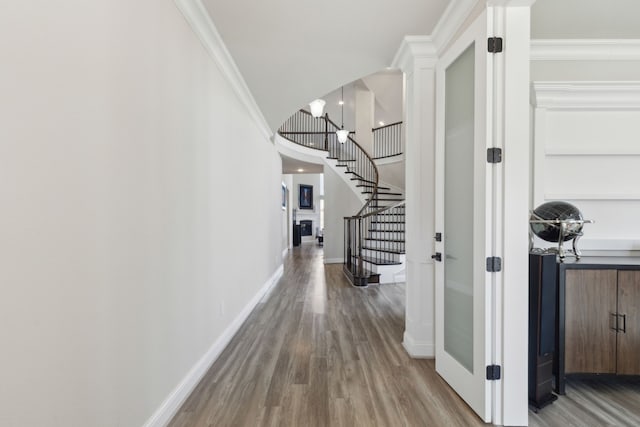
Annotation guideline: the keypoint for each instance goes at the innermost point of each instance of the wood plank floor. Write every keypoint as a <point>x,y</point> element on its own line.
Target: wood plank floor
<point>593,402</point>
<point>319,352</point>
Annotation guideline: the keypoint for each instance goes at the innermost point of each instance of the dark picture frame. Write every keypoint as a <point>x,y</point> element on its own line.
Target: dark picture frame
<point>284,196</point>
<point>305,196</point>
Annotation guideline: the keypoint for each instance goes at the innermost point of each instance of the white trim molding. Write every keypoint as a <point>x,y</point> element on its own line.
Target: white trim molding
<point>585,50</point>
<point>198,18</point>
<point>418,350</point>
<point>411,49</point>
<point>452,20</point>
<point>176,398</point>
<point>576,95</point>
<point>593,196</point>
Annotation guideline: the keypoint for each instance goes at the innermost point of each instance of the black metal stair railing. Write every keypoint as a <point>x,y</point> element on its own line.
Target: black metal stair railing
<point>375,234</point>
<point>375,237</point>
<point>387,140</point>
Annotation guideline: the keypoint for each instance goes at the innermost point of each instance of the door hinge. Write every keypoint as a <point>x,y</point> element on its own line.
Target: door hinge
<point>438,237</point>
<point>494,155</point>
<point>437,256</point>
<point>494,264</point>
<point>494,44</point>
<point>493,372</point>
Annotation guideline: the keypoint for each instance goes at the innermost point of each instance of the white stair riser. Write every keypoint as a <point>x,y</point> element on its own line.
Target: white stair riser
<point>387,272</point>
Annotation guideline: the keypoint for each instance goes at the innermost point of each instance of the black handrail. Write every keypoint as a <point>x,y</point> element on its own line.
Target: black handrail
<point>387,140</point>
<point>386,126</point>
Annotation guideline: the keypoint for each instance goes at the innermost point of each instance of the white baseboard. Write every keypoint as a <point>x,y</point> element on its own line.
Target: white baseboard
<point>418,350</point>
<point>285,251</point>
<point>176,398</point>
<point>333,260</point>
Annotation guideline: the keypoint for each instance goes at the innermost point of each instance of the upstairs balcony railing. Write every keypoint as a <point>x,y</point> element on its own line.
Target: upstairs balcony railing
<point>387,140</point>
<point>320,134</point>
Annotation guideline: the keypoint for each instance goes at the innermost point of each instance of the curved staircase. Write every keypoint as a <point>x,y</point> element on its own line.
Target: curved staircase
<point>374,236</point>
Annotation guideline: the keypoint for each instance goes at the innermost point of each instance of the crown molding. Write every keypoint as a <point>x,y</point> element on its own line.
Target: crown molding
<point>585,50</point>
<point>198,18</point>
<point>427,47</point>
<point>586,95</point>
<point>413,49</point>
<point>451,20</point>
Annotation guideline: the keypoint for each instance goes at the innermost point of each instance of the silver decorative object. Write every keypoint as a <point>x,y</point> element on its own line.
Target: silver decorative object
<point>557,222</point>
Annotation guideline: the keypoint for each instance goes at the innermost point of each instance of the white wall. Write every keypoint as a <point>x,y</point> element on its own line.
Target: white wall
<point>130,174</point>
<point>586,70</point>
<point>585,150</point>
<point>340,201</point>
<point>392,173</point>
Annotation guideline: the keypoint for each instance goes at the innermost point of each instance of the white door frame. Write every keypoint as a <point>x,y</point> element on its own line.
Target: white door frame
<point>473,386</point>
<point>418,57</point>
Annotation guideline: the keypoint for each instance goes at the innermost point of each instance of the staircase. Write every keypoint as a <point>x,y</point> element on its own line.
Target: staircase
<point>374,250</point>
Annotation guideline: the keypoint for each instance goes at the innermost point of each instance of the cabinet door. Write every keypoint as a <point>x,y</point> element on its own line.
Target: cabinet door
<point>590,302</point>
<point>628,306</point>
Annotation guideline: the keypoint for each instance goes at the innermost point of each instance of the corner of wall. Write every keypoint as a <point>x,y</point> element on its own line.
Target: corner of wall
<point>168,409</point>
<point>198,18</point>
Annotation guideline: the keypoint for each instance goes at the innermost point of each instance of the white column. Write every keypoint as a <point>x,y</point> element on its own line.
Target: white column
<point>364,110</point>
<point>417,59</point>
<point>512,82</point>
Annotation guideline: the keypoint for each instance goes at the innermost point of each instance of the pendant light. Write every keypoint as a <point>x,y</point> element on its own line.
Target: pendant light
<point>343,134</point>
<point>316,107</point>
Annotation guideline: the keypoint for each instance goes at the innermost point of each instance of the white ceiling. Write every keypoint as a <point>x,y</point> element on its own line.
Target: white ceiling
<point>290,165</point>
<point>292,51</point>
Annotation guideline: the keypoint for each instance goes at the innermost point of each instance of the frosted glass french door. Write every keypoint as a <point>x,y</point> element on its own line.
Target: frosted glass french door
<point>463,216</point>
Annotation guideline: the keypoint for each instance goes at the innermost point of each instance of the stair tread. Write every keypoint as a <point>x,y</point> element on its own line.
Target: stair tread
<point>368,276</point>
<point>365,272</point>
<point>342,160</point>
<point>386,193</point>
<point>391,251</point>
<point>384,240</point>
<point>374,261</point>
<point>371,186</point>
<point>387,222</point>
<point>359,178</point>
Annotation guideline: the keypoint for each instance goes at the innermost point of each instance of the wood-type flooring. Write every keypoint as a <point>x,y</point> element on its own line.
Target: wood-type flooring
<point>319,352</point>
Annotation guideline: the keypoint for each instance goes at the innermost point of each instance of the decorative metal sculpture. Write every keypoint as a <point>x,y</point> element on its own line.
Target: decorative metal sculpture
<point>557,222</point>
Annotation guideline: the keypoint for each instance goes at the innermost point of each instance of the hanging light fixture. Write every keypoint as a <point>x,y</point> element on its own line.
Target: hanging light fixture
<point>343,134</point>
<point>316,107</point>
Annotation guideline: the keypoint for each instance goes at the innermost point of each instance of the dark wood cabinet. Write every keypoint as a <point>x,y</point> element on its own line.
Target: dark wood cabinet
<point>598,318</point>
<point>628,348</point>
<point>590,339</point>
